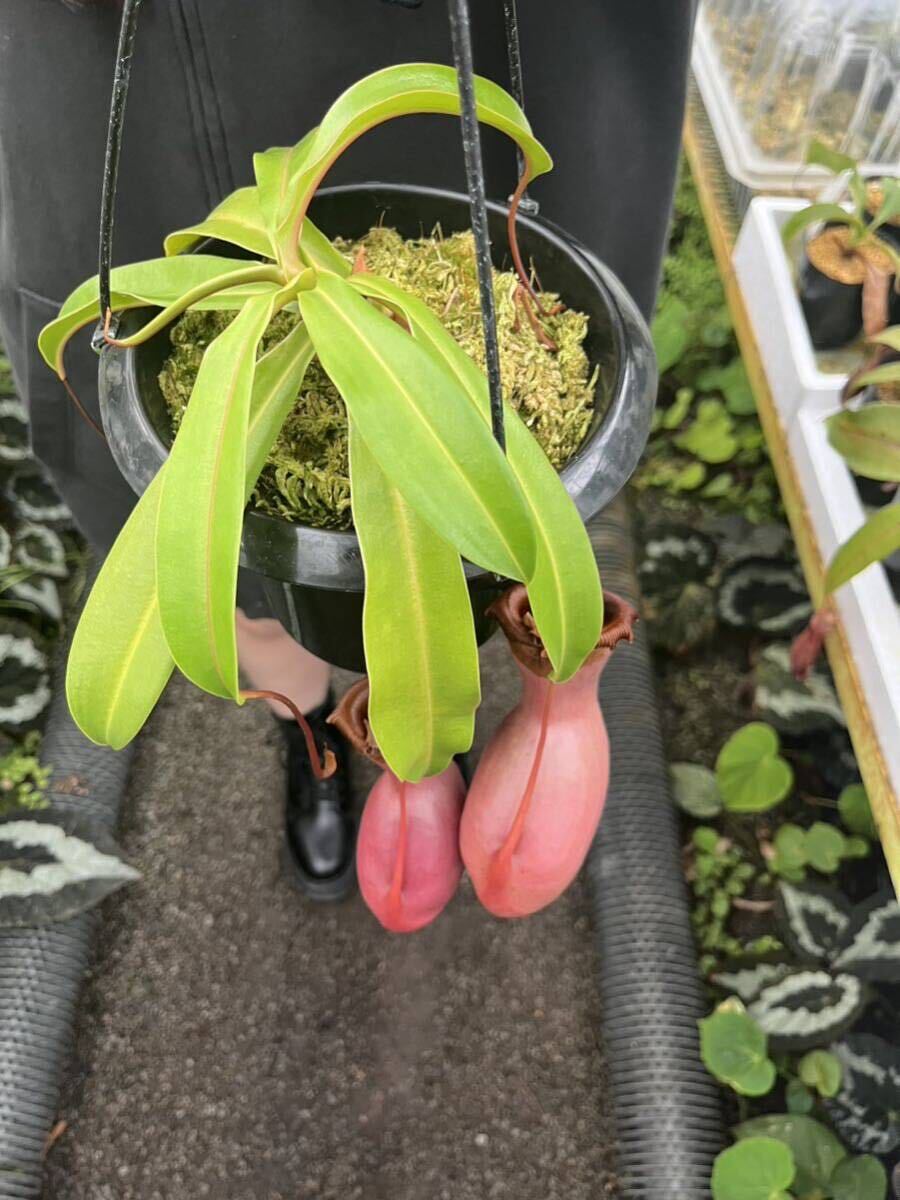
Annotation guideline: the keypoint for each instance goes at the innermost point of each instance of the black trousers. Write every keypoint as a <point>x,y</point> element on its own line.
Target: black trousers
<point>214,80</point>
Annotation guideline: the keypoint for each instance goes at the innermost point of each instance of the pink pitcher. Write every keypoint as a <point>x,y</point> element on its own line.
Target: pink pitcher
<point>407,851</point>
<point>537,796</point>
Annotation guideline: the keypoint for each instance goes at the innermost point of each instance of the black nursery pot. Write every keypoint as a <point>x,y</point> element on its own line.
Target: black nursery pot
<point>313,578</point>
<point>833,310</point>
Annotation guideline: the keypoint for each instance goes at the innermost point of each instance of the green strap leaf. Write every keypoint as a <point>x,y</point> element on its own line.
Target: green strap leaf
<point>273,170</point>
<point>120,661</point>
<point>888,372</point>
<point>267,277</point>
<point>202,507</point>
<point>869,439</point>
<point>160,282</point>
<point>317,251</point>
<point>418,423</point>
<point>419,635</point>
<point>814,214</point>
<point>888,337</point>
<point>879,537</point>
<point>821,155</point>
<point>248,216</point>
<point>238,220</point>
<point>276,383</point>
<point>394,92</point>
<point>564,589</point>
<point>890,204</point>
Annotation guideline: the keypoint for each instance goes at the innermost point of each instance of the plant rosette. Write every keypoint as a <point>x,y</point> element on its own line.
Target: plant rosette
<point>430,487</point>
<point>847,277</point>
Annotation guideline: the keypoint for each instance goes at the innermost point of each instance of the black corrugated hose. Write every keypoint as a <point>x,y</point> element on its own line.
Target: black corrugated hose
<point>667,1107</point>
<point>41,968</point>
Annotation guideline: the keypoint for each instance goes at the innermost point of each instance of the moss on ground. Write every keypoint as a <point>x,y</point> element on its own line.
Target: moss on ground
<point>306,477</point>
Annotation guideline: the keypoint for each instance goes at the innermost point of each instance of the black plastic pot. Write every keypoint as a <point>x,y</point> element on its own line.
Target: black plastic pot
<point>313,578</point>
<point>833,310</point>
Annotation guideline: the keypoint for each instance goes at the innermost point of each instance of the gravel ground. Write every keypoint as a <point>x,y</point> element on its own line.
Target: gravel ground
<point>241,1043</point>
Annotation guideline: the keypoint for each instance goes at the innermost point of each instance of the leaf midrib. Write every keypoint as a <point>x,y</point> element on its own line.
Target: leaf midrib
<point>415,592</point>
<point>213,494</point>
<point>128,661</point>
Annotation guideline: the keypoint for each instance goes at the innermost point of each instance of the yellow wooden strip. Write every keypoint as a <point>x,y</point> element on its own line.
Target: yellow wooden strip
<point>721,225</point>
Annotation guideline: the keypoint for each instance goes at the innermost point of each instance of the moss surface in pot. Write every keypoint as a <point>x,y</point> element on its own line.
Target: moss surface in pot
<point>547,377</point>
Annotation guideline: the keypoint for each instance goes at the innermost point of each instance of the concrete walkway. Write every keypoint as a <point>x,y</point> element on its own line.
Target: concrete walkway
<point>241,1043</point>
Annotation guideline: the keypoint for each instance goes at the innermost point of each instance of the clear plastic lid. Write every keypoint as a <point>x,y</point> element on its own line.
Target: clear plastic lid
<point>797,70</point>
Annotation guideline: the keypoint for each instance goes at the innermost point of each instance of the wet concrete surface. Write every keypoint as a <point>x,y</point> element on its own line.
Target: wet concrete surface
<point>239,1042</point>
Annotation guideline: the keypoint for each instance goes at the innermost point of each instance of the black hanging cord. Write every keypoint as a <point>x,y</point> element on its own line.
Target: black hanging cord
<point>121,79</point>
<point>461,31</point>
<point>517,86</point>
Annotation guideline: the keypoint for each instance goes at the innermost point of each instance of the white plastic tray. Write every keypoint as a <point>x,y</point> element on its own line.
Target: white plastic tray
<point>764,273</point>
<point>869,612</point>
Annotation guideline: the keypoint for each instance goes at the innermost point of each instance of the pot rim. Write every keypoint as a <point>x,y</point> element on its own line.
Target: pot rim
<point>327,558</point>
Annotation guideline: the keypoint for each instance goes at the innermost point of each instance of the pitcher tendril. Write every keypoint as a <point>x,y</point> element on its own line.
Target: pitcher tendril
<point>324,766</point>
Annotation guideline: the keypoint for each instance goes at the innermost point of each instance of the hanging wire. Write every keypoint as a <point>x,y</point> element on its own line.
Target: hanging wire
<point>121,80</point>
<point>461,32</point>
<point>517,86</point>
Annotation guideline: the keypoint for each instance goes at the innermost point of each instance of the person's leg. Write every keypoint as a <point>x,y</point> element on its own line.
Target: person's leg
<point>272,661</point>
<point>320,824</point>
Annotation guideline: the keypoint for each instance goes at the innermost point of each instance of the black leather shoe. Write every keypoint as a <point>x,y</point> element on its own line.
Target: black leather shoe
<point>320,823</point>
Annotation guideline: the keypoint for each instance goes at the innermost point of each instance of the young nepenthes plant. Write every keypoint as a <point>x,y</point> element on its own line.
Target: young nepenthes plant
<point>849,255</point>
<point>430,486</point>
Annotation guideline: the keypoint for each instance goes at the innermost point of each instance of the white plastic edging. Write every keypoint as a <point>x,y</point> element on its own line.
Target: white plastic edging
<point>764,274</point>
<point>869,612</point>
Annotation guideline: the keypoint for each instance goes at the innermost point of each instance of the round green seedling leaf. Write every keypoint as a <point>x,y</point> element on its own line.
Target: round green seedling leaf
<point>690,477</point>
<point>789,860</point>
<point>671,332</point>
<point>824,847</point>
<point>815,1149</point>
<point>856,847</point>
<point>822,1071</point>
<point>733,1048</point>
<point>798,1097</point>
<point>706,839</point>
<point>759,1168</point>
<point>856,812</point>
<point>860,1178</point>
<point>751,774</point>
<point>694,790</point>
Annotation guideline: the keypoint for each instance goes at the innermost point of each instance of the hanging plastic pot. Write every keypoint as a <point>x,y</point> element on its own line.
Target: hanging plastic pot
<point>313,578</point>
<point>537,796</point>
<point>407,848</point>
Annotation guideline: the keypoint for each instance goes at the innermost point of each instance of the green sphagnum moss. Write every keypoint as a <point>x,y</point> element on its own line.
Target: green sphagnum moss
<point>306,477</point>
